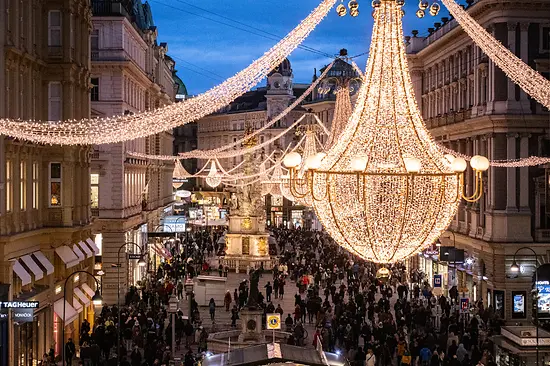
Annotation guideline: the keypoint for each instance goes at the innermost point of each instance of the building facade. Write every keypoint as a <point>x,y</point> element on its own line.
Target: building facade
<point>470,106</point>
<point>130,73</point>
<point>254,109</point>
<point>45,196</point>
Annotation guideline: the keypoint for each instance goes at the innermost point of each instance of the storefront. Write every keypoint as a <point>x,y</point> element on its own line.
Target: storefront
<point>516,346</point>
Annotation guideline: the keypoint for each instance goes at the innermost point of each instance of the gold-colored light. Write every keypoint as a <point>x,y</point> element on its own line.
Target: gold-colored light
<point>384,190</point>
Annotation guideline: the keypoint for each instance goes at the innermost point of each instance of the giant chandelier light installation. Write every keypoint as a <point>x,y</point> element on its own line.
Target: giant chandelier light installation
<point>123,128</point>
<point>385,191</point>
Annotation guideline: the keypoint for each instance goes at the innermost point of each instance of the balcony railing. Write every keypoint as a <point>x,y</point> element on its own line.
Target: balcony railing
<point>448,119</point>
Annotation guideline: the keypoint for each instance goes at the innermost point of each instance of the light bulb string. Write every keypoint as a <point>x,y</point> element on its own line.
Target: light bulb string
<point>124,128</point>
<point>357,69</point>
<point>503,163</point>
<point>210,153</point>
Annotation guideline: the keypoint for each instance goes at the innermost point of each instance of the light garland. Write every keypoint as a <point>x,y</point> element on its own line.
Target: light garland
<point>518,71</point>
<point>124,128</point>
<point>511,163</point>
<point>342,113</point>
<point>385,191</point>
<point>202,154</point>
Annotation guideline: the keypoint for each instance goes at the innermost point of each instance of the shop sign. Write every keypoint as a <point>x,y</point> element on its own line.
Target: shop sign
<point>23,315</point>
<point>19,304</point>
<point>183,194</point>
<point>464,305</point>
<point>437,280</point>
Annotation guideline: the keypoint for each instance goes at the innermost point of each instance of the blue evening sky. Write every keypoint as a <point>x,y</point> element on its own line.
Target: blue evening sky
<point>207,51</point>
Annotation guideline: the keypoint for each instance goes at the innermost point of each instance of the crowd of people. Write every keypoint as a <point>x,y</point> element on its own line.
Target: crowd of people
<point>340,304</point>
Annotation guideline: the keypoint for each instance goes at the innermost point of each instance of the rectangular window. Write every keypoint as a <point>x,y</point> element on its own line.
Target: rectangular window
<point>94,40</point>
<point>94,190</point>
<point>54,101</point>
<point>546,38</point>
<point>94,93</point>
<point>54,28</point>
<point>35,185</point>
<point>23,185</point>
<point>55,184</point>
<point>9,202</point>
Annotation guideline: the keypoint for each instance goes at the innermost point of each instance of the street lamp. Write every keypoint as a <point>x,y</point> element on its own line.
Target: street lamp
<point>515,268</point>
<point>188,286</point>
<point>172,309</point>
<point>141,263</point>
<point>97,300</point>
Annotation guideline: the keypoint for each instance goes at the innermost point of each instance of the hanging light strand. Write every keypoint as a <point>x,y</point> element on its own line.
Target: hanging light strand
<point>509,163</point>
<point>532,82</point>
<point>342,113</point>
<point>124,128</point>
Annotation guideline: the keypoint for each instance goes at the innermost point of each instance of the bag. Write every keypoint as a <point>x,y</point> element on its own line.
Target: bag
<point>406,360</point>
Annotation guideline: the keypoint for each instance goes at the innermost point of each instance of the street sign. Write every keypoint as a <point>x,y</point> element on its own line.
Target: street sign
<point>134,256</point>
<point>464,305</point>
<point>437,280</point>
<point>273,321</point>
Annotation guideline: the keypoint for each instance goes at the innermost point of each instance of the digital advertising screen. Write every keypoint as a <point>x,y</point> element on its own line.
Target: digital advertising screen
<point>518,301</point>
<point>544,298</point>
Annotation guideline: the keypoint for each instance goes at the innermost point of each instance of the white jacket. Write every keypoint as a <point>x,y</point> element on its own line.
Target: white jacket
<point>371,359</point>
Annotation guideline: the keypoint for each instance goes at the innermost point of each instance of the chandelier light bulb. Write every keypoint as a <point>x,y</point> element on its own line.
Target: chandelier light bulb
<point>459,165</point>
<point>313,162</point>
<point>479,163</point>
<point>434,9</point>
<point>412,165</point>
<point>423,5</point>
<point>420,13</point>
<point>359,163</point>
<point>292,160</point>
<point>214,178</point>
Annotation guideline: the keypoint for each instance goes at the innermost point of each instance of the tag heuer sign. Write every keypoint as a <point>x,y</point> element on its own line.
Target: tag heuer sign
<point>19,304</point>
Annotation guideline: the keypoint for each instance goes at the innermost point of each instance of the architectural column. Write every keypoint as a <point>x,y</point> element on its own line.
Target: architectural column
<point>490,80</point>
<point>524,55</point>
<point>512,106</point>
<point>524,174</point>
<point>511,202</point>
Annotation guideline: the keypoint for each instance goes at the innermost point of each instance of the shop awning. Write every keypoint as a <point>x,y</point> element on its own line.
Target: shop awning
<point>67,256</point>
<point>44,262</point>
<point>29,262</point>
<point>70,313</point>
<point>86,249</point>
<point>77,305</point>
<point>83,298</point>
<point>93,245</point>
<point>78,252</point>
<point>21,273</point>
<point>88,290</point>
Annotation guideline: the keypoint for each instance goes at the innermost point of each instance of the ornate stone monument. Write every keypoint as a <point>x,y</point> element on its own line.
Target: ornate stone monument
<point>251,314</point>
<point>246,240</point>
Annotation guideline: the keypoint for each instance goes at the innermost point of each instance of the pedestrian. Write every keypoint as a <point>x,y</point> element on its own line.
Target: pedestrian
<point>70,351</point>
<point>370,358</point>
<point>203,340</point>
<point>268,291</point>
<point>212,309</point>
<point>227,300</point>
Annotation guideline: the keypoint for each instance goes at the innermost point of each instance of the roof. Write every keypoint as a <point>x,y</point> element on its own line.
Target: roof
<point>182,89</point>
<point>268,354</point>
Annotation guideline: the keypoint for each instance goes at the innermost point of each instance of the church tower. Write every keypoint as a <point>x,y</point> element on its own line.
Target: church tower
<point>279,89</point>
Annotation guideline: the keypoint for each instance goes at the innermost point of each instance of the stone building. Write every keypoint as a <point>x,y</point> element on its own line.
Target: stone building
<point>45,194</point>
<point>254,109</point>
<point>470,106</point>
<point>131,72</point>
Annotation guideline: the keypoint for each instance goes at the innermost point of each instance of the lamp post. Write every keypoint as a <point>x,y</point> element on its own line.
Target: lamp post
<point>453,236</point>
<point>176,231</point>
<point>188,285</point>
<point>141,263</point>
<point>515,268</point>
<point>172,309</point>
<point>97,300</point>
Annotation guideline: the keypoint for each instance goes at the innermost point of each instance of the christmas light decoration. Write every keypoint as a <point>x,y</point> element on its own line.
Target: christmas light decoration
<point>511,163</point>
<point>179,174</point>
<point>342,113</point>
<point>214,178</point>
<point>209,154</point>
<point>518,71</point>
<point>124,128</point>
<point>384,191</point>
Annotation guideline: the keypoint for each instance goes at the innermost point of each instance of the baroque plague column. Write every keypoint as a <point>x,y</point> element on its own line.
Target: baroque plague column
<point>247,240</point>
